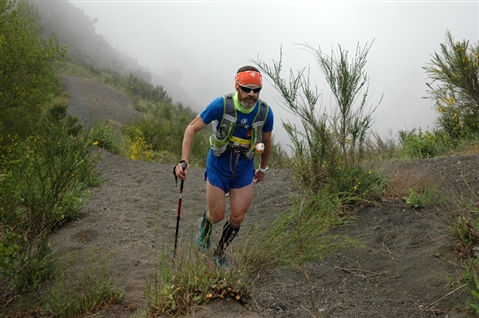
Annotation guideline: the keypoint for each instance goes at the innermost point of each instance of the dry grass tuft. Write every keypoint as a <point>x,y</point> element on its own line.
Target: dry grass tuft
<point>407,175</point>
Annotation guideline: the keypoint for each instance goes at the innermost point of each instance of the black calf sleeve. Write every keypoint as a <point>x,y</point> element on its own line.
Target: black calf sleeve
<point>229,233</point>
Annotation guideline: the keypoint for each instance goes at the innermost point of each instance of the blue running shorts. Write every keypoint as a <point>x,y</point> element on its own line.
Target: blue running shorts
<point>227,183</point>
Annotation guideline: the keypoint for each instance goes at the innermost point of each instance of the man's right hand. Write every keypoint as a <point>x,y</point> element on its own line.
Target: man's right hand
<point>181,169</point>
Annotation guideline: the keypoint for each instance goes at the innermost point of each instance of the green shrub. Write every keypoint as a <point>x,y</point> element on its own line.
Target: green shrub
<point>328,148</point>
<point>424,144</point>
<point>162,128</point>
<point>456,70</point>
<point>357,182</point>
<point>28,82</point>
<point>106,77</point>
<point>136,146</point>
<point>466,231</point>
<point>106,136</point>
<point>8,250</point>
<point>139,89</point>
<point>464,227</point>
<point>45,182</point>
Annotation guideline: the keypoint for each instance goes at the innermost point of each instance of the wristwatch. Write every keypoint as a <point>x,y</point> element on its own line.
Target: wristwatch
<point>263,170</point>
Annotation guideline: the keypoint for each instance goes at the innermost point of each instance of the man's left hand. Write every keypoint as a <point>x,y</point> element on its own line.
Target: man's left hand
<point>258,176</point>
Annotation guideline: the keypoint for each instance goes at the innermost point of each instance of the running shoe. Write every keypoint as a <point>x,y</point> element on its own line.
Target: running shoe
<point>203,239</point>
<point>222,261</point>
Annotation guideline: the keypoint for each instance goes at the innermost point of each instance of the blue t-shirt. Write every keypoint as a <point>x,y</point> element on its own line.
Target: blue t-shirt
<point>224,164</point>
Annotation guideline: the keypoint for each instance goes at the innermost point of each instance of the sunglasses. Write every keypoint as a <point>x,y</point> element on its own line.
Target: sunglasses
<point>247,89</point>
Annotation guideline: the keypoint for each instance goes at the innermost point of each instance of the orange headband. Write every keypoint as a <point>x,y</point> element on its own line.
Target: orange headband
<point>248,77</point>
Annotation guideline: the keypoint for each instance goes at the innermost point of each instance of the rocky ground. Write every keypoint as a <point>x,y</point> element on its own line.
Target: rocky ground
<point>404,266</point>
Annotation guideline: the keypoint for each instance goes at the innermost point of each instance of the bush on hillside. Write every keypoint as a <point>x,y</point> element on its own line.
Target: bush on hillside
<point>455,69</point>
<point>44,182</point>
<point>426,144</point>
<point>328,148</point>
<point>28,81</point>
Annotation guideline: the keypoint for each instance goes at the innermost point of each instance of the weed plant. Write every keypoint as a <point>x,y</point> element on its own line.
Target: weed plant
<point>381,148</point>
<point>427,197</point>
<point>472,277</point>
<point>465,226</point>
<point>186,278</point>
<point>328,157</point>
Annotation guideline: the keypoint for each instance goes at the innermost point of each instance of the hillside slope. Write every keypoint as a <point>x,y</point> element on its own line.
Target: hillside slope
<point>74,29</point>
<point>91,101</point>
<point>404,265</point>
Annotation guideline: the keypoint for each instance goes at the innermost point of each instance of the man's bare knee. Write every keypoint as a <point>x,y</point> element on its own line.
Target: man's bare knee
<point>237,219</point>
<point>216,216</point>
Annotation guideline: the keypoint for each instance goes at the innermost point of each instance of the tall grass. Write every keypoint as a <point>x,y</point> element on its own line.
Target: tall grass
<point>463,221</point>
<point>191,278</point>
<point>79,292</point>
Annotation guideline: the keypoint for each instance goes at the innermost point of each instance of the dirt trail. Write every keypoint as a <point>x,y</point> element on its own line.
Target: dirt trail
<point>404,266</point>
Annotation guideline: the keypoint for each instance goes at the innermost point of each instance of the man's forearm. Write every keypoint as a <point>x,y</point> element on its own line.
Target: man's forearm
<point>265,155</point>
<point>188,140</point>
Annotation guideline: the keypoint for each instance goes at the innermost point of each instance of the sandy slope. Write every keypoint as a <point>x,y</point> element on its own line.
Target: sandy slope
<point>398,270</point>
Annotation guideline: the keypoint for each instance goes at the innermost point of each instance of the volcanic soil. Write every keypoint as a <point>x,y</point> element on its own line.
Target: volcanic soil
<point>405,264</point>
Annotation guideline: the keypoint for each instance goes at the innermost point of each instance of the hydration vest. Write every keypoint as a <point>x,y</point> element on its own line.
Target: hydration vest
<point>223,140</point>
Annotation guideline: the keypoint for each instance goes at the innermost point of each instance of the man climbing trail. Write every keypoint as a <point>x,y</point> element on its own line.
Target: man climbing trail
<point>243,128</point>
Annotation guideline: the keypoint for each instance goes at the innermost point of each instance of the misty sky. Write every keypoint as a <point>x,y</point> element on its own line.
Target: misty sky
<point>208,41</point>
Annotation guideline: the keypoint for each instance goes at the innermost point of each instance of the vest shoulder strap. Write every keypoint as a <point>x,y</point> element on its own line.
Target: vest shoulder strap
<point>229,112</point>
<point>260,118</point>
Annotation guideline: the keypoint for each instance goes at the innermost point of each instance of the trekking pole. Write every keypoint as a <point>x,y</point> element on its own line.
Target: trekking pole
<point>180,198</point>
